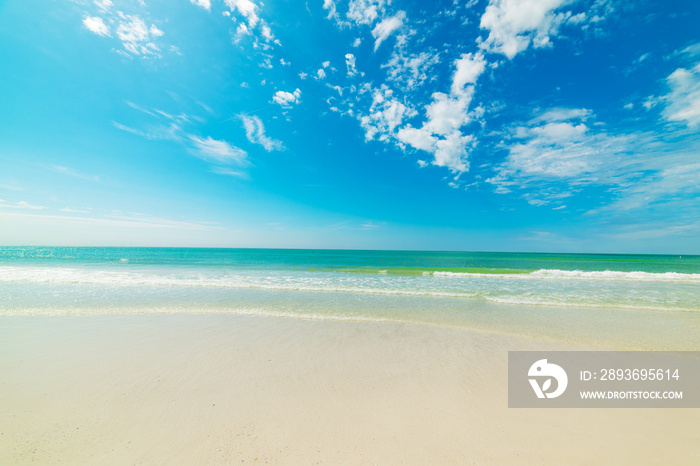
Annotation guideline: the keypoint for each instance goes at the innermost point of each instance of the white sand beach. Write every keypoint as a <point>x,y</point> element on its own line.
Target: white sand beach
<point>216,389</point>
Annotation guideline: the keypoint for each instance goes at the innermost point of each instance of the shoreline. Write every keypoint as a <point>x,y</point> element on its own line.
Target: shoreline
<point>222,389</point>
<point>598,327</point>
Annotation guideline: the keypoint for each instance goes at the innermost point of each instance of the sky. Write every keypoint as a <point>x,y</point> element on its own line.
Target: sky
<point>482,125</point>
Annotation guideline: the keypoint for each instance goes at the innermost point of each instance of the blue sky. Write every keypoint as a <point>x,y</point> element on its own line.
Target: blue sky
<point>528,125</point>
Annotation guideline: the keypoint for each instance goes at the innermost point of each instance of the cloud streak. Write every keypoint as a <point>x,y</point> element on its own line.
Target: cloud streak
<point>218,150</point>
<point>215,151</point>
<point>255,132</point>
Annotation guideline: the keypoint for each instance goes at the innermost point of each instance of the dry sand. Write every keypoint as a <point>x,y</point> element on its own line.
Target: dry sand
<point>214,389</point>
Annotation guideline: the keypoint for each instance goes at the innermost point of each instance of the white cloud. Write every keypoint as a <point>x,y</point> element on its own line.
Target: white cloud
<point>447,113</point>
<point>683,102</point>
<point>326,64</point>
<point>266,32</point>
<point>350,63</point>
<point>219,151</point>
<point>365,11</point>
<point>248,9</point>
<point>266,63</point>
<point>386,27</point>
<point>385,115</point>
<point>97,25</point>
<point>410,71</point>
<point>452,151</point>
<point>691,50</point>
<point>357,42</point>
<point>469,68</point>
<point>241,30</point>
<point>419,138</point>
<point>206,4</point>
<point>136,37</point>
<point>330,6</point>
<point>650,102</point>
<point>555,149</point>
<point>515,24</point>
<point>551,150</point>
<point>320,74</point>
<point>302,75</point>
<point>255,132</point>
<point>441,133</point>
<point>286,99</point>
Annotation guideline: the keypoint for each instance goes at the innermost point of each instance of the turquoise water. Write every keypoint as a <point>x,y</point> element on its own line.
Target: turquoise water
<point>664,283</point>
<point>521,293</point>
<point>400,262</point>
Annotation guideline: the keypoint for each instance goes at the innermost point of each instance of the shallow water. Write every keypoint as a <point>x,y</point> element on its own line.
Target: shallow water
<point>607,300</point>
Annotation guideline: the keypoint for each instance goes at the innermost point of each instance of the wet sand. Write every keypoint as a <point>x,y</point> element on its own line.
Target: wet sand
<point>217,389</point>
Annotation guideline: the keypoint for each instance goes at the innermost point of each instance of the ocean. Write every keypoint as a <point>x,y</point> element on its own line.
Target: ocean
<point>651,300</point>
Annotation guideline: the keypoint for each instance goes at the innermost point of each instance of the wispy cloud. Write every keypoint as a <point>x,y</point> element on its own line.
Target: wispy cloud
<point>176,127</point>
<point>365,11</point>
<point>70,172</point>
<point>332,11</point>
<point>103,5</point>
<point>683,102</point>
<point>74,211</point>
<point>653,230</point>
<point>118,219</point>
<point>255,132</point>
<point>559,152</point>
<point>138,38</point>
<point>411,70</point>
<point>247,13</point>
<point>206,4</point>
<point>558,146</point>
<point>229,172</point>
<point>371,225</point>
<point>387,27</point>
<point>218,150</point>
<point>246,8</point>
<point>11,185</point>
<point>20,205</point>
